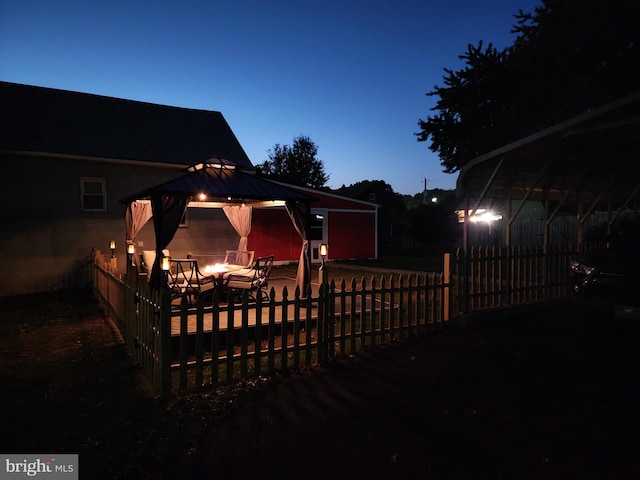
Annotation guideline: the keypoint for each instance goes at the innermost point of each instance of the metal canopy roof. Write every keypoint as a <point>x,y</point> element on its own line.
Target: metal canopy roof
<point>222,182</point>
<point>589,158</point>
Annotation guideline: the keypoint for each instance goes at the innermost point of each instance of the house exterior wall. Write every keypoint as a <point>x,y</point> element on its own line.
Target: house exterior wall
<point>47,239</point>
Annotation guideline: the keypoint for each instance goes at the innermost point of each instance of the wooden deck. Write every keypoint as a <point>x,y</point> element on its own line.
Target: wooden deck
<point>278,285</point>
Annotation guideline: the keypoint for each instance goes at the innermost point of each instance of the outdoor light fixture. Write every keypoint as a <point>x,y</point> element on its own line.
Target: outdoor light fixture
<point>486,217</point>
<point>166,263</point>
<point>323,252</point>
<point>480,215</point>
<point>322,272</point>
<point>131,249</point>
<point>112,246</point>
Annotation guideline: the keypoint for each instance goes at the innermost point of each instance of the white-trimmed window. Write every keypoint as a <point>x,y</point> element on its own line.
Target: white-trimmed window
<point>93,194</point>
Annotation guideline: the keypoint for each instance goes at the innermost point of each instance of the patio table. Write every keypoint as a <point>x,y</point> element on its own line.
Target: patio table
<point>220,271</point>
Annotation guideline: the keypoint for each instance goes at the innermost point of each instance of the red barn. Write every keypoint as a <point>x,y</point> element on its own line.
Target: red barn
<point>348,226</point>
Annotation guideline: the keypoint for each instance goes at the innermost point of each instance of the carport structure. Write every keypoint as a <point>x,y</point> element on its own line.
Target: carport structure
<point>586,163</point>
<point>217,183</point>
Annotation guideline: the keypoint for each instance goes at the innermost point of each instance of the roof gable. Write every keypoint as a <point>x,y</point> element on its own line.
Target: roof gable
<point>46,120</point>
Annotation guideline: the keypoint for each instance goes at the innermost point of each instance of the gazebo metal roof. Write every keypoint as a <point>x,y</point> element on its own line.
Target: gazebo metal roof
<point>221,182</point>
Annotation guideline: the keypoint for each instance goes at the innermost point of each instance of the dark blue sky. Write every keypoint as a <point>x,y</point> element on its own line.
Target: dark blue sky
<point>350,74</point>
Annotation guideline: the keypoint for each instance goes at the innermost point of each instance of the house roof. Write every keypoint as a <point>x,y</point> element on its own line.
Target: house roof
<point>223,182</point>
<point>45,120</point>
<point>590,157</point>
<point>332,199</point>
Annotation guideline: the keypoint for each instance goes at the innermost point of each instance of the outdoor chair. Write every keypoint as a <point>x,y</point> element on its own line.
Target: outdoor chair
<point>186,279</point>
<point>254,282</point>
<point>241,258</point>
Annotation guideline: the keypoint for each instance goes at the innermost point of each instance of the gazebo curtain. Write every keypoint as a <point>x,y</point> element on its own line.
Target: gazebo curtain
<point>240,218</point>
<point>136,216</point>
<point>167,212</point>
<point>299,214</point>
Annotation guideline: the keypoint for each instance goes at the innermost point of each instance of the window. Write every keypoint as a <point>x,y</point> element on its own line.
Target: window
<point>93,194</point>
<point>316,225</point>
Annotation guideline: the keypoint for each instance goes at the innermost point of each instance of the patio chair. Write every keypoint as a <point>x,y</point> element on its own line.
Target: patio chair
<point>187,280</point>
<point>255,282</point>
<point>237,257</point>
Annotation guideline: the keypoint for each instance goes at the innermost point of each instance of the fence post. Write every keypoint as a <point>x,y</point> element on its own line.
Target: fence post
<point>322,323</point>
<point>462,274</point>
<point>446,286</point>
<point>164,357</point>
<point>506,259</point>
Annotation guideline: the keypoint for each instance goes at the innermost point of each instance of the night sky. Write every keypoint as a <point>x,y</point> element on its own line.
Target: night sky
<point>350,74</point>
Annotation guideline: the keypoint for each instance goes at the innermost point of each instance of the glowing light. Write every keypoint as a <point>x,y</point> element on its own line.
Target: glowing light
<point>218,267</point>
<point>486,217</point>
<point>479,215</point>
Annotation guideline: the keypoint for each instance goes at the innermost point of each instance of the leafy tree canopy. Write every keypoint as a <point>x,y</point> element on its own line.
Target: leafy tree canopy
<point>297,164</point>
<point>567,58</point>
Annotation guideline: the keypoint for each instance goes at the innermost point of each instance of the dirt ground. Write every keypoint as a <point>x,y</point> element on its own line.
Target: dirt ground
<point>546,393</point>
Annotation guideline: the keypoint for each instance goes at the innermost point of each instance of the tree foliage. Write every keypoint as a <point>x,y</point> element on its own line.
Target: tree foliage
<point>297,164</point>
<point>567,58</point>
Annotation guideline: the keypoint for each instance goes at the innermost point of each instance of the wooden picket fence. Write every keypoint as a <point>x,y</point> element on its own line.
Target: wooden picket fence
<point>492,277</point>
<point>186,347</point>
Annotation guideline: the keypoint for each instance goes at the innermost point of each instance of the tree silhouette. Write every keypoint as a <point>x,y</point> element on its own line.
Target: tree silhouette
<point>297,164</point>
<point>567,58</point>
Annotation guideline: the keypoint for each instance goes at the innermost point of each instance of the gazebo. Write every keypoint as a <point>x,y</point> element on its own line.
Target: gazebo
<point>217,183</point>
